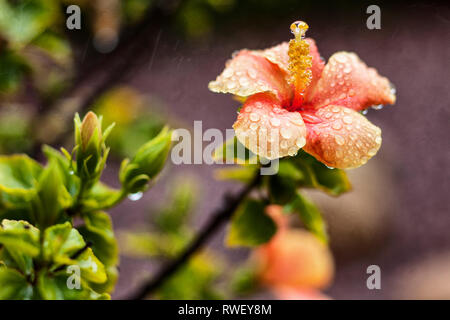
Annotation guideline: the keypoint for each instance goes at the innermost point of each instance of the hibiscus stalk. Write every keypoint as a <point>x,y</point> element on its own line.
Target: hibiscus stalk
<point>219,217</point>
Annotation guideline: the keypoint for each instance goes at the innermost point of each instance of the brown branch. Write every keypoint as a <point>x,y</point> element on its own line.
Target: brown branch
<point>218,218</point>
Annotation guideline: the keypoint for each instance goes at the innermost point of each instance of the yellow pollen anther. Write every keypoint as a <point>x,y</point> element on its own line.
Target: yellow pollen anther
<point>300,61</point>
<point>299,28</point>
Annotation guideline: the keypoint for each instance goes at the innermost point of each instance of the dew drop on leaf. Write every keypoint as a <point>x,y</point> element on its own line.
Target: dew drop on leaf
<point>135,196</point>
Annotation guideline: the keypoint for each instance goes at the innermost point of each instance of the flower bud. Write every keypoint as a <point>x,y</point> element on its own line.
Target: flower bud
<point>88,137</point>
<point>295,258</point>
<point>91,131</point>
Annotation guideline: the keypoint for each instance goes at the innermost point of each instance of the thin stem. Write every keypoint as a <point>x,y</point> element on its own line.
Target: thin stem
<point>218,218</point>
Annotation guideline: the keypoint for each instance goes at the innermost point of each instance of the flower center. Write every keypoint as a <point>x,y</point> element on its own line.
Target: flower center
<point>300,62</point>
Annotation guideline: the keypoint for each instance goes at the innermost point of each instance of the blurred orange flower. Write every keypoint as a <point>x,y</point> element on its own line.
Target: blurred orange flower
<point>293,100</point>
<point>294,263</point>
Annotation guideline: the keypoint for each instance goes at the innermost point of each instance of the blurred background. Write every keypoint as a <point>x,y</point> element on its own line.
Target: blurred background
<point>144,63</point>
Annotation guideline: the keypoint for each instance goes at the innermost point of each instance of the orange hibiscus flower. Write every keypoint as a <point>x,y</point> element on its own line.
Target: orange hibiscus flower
<point>294,264</point>
<point>293,101</point>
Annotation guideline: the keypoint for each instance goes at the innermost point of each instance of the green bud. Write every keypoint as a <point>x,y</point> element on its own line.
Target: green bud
<point>148,162</point>
<point>88,137</point>
<point>91,131</point>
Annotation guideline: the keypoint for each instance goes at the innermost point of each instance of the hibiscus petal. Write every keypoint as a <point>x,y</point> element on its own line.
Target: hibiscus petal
<point>279,55</point>
<point>268,130</point>
<point>347,81</point>
<point>247,73</point>
<point>341,137</point>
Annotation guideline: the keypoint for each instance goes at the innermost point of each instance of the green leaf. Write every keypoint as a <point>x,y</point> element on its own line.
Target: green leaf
<point>64,245</point>
<point>98,230</point>
<point>243,174</point>
<point>18,176</point>
<point>141,244</point>
<point>233,151</point>
<point>18,172</point>
<point>21,243</point>
<point>195,280</point>
<point>55,46</point>
<point>51,198</point>
<point>182,199</point>
<point>21,21</point>
<point>250,226</point>
<point>317,175</point>
<point>100,197</point>
<point>14,286</point>
<point>54,287</point>
<point>13,69</point>
<point>20,236</point>
<point>61,242</point>
<point>245,281</point>
<point>91,268</point>
<point>70,180</point>
<point>310,216</point>
<point>283,186</point>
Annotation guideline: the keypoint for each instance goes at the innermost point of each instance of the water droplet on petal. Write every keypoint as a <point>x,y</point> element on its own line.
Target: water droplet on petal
<point>228,73</point>
<point>286,133</point>
<point>339,140</point>
<point>231,85</point>
<point>347,119</point>
<point>392,89</point>
<point>377,107</point>
<point>336,125</point>
<point>254,116</point>
<point>300,142</point>
<point>275,122</point>
<point>244,81</point>
<point>292,151</point>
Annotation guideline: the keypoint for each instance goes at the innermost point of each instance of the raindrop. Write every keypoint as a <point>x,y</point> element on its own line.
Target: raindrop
<point>329,167</point>
<point>275,122</point>
<point>228,73</point>
<point>377,107</point>
<point>254,117</point>
<point>300,142</point>
<point>347,119</point>
<point>135,196</point>
<point>392,89</point>
<point>336,125</point>
<point>365,111</point>
<point>286,133</point>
